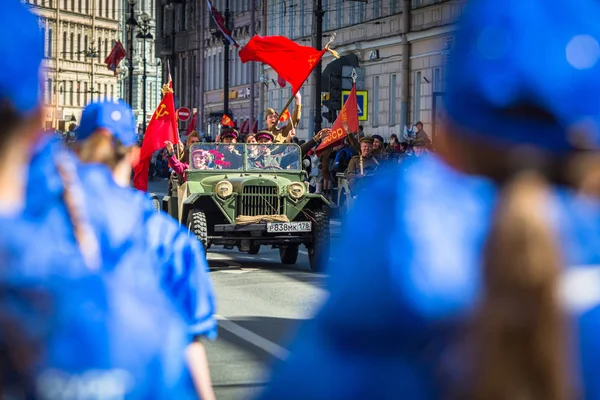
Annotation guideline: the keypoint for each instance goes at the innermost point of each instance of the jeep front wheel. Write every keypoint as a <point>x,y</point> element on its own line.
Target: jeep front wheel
<point>196,223</point>
<point>254,249</point>
<point>289,254</point>
<point>318,250</point>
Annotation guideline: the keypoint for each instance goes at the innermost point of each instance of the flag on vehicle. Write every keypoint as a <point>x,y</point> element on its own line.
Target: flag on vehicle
<point>220,22</point>
<point>117,54</point>
<point>162,127</point>
<point>226,121</point>
<point>349,116</point>
<point>291,61</point>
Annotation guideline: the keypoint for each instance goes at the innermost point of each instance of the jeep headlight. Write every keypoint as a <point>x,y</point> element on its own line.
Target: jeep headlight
<point>224,189</point>
<point>296,190</point>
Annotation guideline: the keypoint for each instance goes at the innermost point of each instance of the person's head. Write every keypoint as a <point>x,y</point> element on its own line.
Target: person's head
<point>251,138</point>
<point>419,126</point>
<point>200,159</point>
<point>525,116</point>
<point>360,129</point>
<point>271,118</point>
<point>107,135</point>
<point>264,137</point>
<point>21,84</point>
<point>393,138</point>
<point>229,135</point>
<point>377,142</point>
<point>366,146</point>
<point>192,138</point>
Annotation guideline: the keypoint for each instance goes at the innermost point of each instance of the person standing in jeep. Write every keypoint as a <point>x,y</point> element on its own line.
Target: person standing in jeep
<point>272,119</point>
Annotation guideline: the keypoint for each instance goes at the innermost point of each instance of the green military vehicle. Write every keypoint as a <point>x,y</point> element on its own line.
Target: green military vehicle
<point>247,196</point>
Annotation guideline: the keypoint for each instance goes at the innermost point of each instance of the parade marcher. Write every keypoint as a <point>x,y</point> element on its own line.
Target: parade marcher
<point>485,281</point>
<point>107,136</point>
<point>363,165</point>
<point>273,157</point>
<point>272,120</point>
<point>101,340</point>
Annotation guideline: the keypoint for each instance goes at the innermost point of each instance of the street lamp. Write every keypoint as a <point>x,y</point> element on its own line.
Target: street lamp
<point>144,34</point>
<point>131,24</point>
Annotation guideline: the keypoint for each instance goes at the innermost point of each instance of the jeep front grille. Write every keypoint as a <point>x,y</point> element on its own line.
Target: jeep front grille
<point>260,200</point>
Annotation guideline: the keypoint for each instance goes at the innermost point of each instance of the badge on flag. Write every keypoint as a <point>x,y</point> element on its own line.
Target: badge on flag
<point>284,115</point>
<point>226,121</point>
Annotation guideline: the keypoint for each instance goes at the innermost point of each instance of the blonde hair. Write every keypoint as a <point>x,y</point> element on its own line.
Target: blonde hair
<point>102,148</point>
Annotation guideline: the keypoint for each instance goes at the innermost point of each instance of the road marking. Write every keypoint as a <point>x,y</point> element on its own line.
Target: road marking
<point>272,348</point>
<point>303,252</point>
<point>238,271</point>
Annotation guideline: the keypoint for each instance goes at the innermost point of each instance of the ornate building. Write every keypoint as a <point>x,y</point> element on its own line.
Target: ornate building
<point>79,35</point>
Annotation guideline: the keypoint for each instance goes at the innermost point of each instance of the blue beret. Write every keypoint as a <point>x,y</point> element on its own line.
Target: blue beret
<point>22,50</point>
<point>116,117</point>
<point>526,72</point>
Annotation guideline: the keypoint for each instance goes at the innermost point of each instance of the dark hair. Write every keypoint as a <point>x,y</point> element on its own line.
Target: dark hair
<point>10,120</point>
<point>518,339</point>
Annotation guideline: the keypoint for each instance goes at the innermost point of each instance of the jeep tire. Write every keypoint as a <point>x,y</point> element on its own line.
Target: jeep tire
<point>156,204</point>
<point>254,249</point>
<point>289,254</point>
<point>196,223</point>
<point>318,250</point>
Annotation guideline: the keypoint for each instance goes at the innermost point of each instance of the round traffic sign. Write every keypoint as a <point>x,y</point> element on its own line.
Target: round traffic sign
<point>184,114</point>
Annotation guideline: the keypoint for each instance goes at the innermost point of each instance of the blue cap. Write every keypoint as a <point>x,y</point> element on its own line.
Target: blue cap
<point>22,51</point>
<point>116,117</point>
<point>526,72</point>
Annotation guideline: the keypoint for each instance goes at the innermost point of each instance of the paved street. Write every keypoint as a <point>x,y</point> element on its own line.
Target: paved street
<point>259,304</point>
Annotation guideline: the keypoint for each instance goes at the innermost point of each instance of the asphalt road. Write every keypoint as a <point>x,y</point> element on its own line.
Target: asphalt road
<point>259,305</point>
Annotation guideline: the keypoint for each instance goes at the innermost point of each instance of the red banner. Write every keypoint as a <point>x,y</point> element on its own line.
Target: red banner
<point>349,115</point>
<point>162,127</point>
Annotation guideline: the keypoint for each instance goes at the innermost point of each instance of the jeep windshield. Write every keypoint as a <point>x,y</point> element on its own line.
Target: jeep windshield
<point>216,156</point>
<point>272,157</point>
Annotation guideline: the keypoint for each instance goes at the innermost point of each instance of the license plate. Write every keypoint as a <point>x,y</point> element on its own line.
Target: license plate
<point>286,227</point>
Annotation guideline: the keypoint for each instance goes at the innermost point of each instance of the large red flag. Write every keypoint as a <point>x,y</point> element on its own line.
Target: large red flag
<point>349,114</point>
<point>291,61</point>
<point>162,127</point>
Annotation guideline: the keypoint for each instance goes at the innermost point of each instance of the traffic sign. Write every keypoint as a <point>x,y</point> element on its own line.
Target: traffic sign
<point>184,114</point>
<point>362,101</point>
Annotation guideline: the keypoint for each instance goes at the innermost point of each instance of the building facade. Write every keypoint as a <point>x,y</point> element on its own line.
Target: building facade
<point>78,36</point>
<point>402,46</point>
<point>141,53</point>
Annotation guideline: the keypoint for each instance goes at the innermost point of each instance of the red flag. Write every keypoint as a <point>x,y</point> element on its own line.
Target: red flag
<point>349,114</point>
<point>291,61</point>
<point>285,115</point>
<point>281,81</point>
<point>226,121</point>
<point>162,127</point>
<point>117,54</point>
<point>192,125</point>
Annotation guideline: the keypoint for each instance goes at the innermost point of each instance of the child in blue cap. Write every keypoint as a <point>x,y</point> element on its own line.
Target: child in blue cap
<point>481,278</point>
<point>102,335</point>
<point>107,136</point>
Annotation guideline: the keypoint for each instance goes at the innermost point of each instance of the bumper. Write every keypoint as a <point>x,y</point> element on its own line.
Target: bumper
<point>257,233</point>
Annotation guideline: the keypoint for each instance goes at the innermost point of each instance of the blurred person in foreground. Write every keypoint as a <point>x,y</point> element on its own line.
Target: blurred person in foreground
<point>106,136</point>
<point>73,322</point>
<point>486,280</point>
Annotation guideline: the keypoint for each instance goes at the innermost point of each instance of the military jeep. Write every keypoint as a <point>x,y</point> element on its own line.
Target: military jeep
<point>247,196</point>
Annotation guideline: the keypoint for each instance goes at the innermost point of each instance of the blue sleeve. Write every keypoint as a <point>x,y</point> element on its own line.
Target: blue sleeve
<point>183,272</point>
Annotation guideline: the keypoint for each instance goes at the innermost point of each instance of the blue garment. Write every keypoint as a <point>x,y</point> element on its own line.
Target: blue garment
<point>125,219</point>
<point>95,335</point>
<point>412,276</point>
<point>504,86</point>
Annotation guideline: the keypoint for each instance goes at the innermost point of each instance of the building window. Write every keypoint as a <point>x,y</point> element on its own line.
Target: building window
<point>105,91</point>
<point>80,5</point>
<point>353,13</point>
<point>437,80</point>
<point>393,100</point>
<point>48,91</point>
<point>291,17</point>
<point>85,92</point>
<point>72,5</point>
<point>49,53</point>
<point>105,48</point>
<point>71,89</point>
<point>85,46</point>
<point>78,94</point>
<point>72,48</point>
<point>100,7</point>
<point>99,50</point>
<point>303,17</point>
<point>282,17</point>
<point>376,101</point>
<point>114,9</point>
<point>44,38</point>
<point>376,8</point>
<point>394,6</point>
<point>417,105</point>
<point>64,50</point>
<point>339,14</point>
<point>280,101</point>
<point>79,47</point>
<point>362,12</point>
